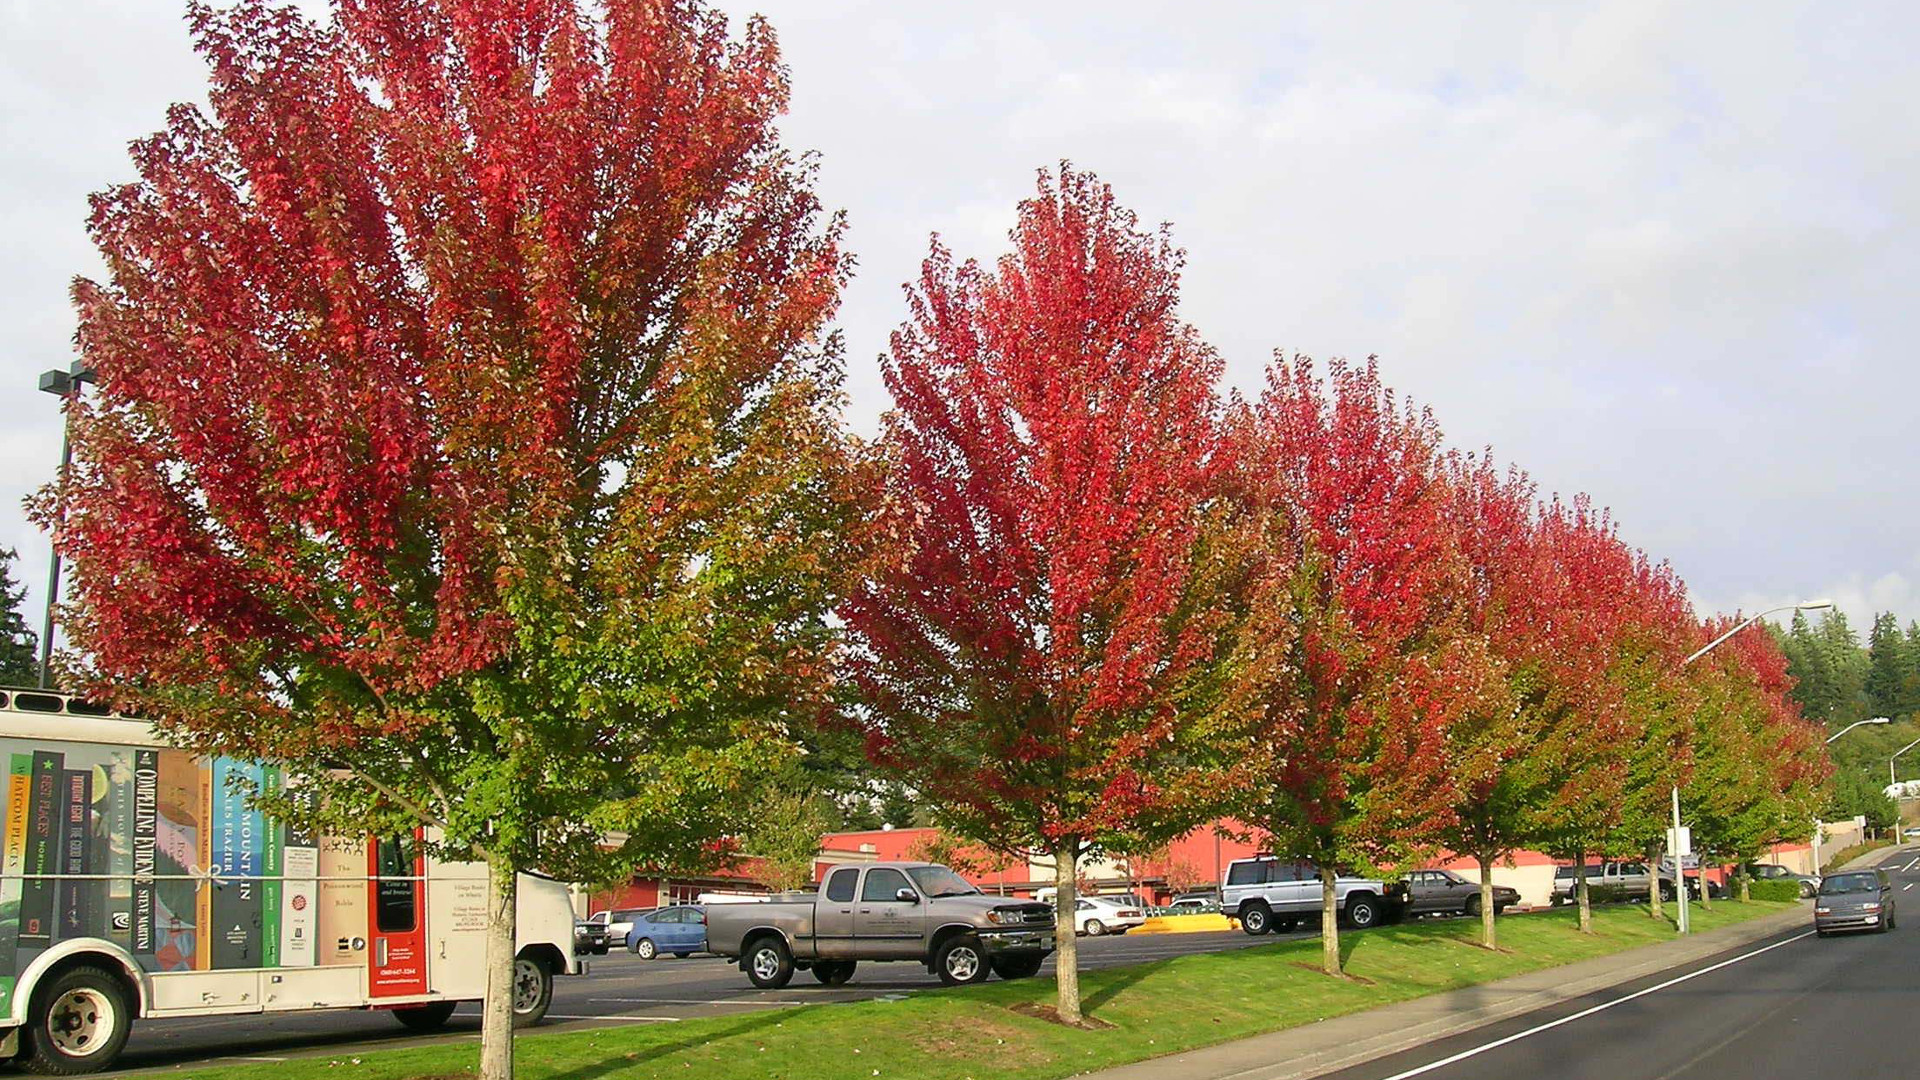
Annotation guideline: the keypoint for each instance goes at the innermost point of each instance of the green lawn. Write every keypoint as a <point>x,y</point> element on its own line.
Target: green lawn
<point>1156,1008</point>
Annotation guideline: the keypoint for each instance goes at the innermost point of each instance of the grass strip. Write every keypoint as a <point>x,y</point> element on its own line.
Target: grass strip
<point>1156,1008</point>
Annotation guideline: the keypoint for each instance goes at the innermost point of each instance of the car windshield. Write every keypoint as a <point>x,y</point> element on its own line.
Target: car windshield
<point>1850,883</point>
<point>937,881</point>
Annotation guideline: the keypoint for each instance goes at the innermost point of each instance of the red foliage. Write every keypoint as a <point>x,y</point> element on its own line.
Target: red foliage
<point>1025,641</point>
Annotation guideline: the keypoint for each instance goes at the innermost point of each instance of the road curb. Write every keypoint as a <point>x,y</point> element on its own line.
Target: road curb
<point>1342,1042</point>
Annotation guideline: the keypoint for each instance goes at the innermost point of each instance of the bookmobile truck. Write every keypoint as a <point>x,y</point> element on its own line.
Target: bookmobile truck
<point>136,882</point>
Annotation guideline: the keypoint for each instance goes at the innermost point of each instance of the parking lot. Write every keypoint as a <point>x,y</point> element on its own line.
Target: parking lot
<point>622,989</point>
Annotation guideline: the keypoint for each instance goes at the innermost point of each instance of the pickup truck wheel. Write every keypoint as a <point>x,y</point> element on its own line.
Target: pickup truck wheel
<point>645,949</point>
<point>769,964</point>
<point>834,972</point>
<point>78,1024</point>
<point>532,991</point>
<point>1362,912</point>
<point>1256,920</point>
<point>430,1017</point>
<point>962,960</point>
<point>1018,966</point>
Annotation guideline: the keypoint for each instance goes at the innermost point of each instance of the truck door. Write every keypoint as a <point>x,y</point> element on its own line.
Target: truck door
<point>833,913</point>
<point>888,928</point>
<point>398,959</point>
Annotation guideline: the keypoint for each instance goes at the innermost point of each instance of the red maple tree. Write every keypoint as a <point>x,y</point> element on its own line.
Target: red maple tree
<point>1350,742</point>
<point>1038,646</point>
<point>465,417</point>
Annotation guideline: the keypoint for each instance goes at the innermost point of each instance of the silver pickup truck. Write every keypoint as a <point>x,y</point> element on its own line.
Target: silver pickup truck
<point>884,911</point>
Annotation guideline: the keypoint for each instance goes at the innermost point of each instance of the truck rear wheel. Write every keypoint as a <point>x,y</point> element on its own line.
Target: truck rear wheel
<point>1284,924</point>
<point>429,1017</point>
<point>834,972</point>
<point>532,991</point>
<point>769,963</point>
<point>1362,912</point>
<point>961,960</point>
<point>79,1023</point>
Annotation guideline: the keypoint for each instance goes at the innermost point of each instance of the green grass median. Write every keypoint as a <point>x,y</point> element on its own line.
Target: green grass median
<point>1156,1008</point>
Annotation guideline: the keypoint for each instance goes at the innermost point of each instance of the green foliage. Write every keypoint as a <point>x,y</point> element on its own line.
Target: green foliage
<point>785,836</point>
<point>1888,665</point>
<point>1773,891</point>
<point>1854,794</point>
<point>19,645</point>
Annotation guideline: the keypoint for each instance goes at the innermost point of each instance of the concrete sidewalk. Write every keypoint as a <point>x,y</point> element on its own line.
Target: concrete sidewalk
<point>1344,1041</point>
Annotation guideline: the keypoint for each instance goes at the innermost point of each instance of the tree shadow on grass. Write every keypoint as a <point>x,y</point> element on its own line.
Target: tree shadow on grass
<point>1120,980</point>
<point>615,1061</point>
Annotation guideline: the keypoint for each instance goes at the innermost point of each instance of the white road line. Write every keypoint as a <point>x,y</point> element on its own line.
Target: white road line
<point>603,1016</point>
<point>1582,1014</point>
<point>1907,886</point>
<point>1911,865</point>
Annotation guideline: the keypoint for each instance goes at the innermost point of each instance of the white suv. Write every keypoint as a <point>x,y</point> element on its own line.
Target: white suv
<point>1269,895</point>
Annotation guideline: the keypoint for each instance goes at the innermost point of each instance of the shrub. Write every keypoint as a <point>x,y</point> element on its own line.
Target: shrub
<point>1774,890</point>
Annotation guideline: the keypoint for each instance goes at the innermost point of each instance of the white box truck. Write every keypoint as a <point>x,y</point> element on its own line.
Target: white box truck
<point>136,882</point>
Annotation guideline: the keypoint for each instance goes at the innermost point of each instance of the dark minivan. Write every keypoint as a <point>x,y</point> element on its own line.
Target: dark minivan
<point>1854,900</point>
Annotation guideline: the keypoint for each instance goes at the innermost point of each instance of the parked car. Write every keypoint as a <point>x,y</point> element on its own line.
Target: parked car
<point>1195,903</point>
<point>1097,915</point>
<point>885,911</point>
<point>680,930</point>
<point>1855,900</point>
<point>1615,881</point>
<point>1809,883</point>
<point>1432,892</point>
<point>1270,895</point>
<point>618,921</point>
<point>589,937</point>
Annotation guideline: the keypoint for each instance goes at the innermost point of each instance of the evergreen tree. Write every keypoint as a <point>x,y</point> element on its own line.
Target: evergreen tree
<point>1887,667</point>
<point>19,645</point>
<point>1910,678</point>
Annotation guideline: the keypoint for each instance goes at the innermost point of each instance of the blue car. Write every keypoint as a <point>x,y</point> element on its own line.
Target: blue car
<point>679,930</point>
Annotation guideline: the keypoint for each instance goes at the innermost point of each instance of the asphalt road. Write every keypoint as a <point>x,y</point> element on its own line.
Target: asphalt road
<point>1792,1005</point>
<point>622,989</point>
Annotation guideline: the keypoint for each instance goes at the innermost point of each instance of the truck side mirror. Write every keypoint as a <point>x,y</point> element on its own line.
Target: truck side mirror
<point>907,896</point>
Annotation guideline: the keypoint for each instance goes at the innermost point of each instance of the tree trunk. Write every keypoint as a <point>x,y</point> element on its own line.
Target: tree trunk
<point>1706,893</point>
<point>1066,962</point>
<point>496,1012</point>
<point>1655,909</point>
<point>1580,891</point>
<point>1746,894</point>
<point>1329,924</point>
<point>1486,902</point>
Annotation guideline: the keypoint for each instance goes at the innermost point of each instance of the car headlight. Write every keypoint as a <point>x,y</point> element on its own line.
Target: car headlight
<point>1870,907</point>
<point>1822,911</point>
<point>1002,918</point>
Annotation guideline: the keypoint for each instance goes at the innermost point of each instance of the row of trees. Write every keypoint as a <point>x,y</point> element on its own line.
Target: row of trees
<point>468,415</point>
<point>1838,680</point>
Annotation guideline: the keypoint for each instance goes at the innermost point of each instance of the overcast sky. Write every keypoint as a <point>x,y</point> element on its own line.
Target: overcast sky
<point>1664,254</point>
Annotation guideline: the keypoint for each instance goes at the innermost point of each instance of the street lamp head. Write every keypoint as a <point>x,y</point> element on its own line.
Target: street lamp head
<point>1880,720</point>
<point>55,381</point>
<point>1813,605</point>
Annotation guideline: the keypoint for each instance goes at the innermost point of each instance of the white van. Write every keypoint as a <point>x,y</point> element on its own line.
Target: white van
<point>134,882</point>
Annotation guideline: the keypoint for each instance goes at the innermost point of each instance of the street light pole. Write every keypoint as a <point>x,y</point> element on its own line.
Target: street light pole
<point>1894,779</point>
<point>1679,865</point>
<point>66,385</point>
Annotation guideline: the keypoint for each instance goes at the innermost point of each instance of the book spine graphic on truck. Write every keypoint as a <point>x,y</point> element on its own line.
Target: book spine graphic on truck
<point>43,842</point>
<point>113,797</point>
<point>76,837</point>
<point>300,892</point>
<point>146,853</point>
<point>177,818</point>
<point>13,860</point>
<point>204,860</point>
<point>236,901</point>
<point>272,867</point>
<point>343,901</point>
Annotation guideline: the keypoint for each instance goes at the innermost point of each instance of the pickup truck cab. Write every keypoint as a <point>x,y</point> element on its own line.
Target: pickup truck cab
<point>1270,895</point>
<point>915,911</point>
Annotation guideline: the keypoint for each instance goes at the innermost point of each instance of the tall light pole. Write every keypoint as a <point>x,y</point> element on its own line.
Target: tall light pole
<point>1679,864</point>
<point>66,384</point>
<point>1893,780</point>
